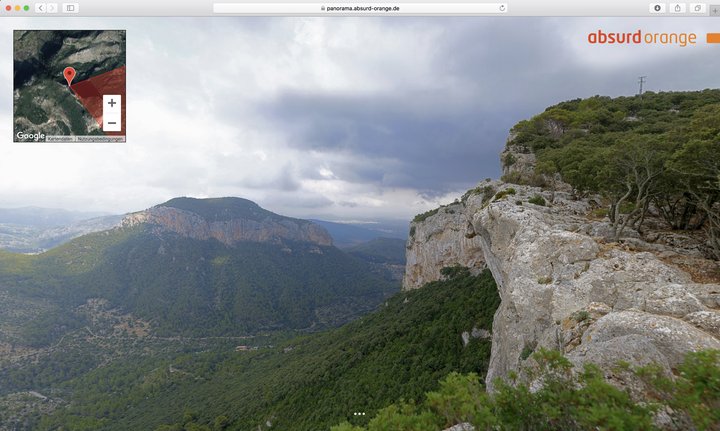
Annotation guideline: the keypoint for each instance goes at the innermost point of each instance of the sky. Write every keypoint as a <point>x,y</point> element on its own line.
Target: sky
<point>333,118</point>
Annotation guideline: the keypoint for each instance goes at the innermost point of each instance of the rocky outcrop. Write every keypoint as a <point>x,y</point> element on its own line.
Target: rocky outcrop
<point>518,163</point>
<point>189,224</point>
<point>564,286</point>
<point>461,427</point>
<point>437,242</point>
<point>551,272</point>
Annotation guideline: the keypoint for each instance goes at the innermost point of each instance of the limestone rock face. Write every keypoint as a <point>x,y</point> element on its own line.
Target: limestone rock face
<point>437,242</point>
<point>230,231</point>
<point>563,286</point>
<point>550,270</point>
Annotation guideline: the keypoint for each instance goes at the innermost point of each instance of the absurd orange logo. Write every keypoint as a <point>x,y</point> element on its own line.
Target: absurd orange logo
<point>639,38</point>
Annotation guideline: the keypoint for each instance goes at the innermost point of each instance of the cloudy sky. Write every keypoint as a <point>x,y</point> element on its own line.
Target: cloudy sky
<point>336,118</point>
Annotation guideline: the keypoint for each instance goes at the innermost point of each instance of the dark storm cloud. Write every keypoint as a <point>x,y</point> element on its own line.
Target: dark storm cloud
<point>447,135</point>
<point>440,137</point>
<point>438,147</point>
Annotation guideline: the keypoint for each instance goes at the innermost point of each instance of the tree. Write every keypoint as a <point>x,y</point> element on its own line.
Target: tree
<point>697,166</point>
<point>549,171</point>
<point>632,174</point>
<point>624,168</point>
<point>462,399</point>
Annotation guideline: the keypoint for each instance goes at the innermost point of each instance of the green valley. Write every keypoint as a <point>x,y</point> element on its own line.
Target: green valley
<point>311,382</point>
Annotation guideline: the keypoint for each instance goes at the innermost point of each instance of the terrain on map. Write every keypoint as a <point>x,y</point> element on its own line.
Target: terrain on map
<point>44,103</point>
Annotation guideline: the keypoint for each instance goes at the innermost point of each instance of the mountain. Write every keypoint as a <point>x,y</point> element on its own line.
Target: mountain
<point>228,220</point>
<point>203,267</point>
<point>34,229</point>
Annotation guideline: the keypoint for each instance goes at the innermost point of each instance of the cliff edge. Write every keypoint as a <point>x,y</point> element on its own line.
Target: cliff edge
<point>564,286</point>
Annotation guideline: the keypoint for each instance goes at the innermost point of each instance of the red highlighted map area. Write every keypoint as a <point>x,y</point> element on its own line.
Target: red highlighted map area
<point>90,93</point>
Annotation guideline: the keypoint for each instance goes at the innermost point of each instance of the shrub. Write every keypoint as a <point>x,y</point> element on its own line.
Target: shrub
<point>627,208</point>
<point>452,272</point>
<point>582,316</point>
<point>564,399</point>
<point>695,393</point>
<point>509,160</point>
<point>537,200</point>
<point>526,352</point>
<point>487,193</point>
<point>599,212</point>
<point>504,193</point>
<point>422,217</point>
<point>544,280</point>
<point>536,180</point>
<point>404,417</point>
<point>513,178</point>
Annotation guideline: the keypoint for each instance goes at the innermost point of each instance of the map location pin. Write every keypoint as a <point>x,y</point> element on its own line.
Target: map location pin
<point>69,74</point>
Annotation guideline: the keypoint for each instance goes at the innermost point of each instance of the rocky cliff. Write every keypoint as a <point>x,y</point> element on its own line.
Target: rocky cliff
<point>565,286</point>
<point>437,242</point>
<point>229,223</point>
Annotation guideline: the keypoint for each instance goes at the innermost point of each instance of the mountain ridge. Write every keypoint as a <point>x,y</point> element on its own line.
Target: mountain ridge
<point>228,220</point>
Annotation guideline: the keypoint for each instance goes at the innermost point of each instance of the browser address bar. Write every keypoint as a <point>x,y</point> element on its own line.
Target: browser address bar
<point>360,8</point>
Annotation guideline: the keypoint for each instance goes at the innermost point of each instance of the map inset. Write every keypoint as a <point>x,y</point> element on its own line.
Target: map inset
<point>69,86</point>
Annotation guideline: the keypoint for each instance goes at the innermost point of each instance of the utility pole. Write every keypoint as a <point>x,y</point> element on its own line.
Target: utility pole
<point>641,80</point>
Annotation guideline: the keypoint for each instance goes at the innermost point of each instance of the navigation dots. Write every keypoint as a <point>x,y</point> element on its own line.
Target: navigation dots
<point>69,74</point>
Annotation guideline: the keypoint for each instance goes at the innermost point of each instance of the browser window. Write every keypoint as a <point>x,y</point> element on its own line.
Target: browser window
<point>343,215</point>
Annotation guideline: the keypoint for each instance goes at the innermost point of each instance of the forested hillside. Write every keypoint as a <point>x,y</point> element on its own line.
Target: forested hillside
<point>313,382</point>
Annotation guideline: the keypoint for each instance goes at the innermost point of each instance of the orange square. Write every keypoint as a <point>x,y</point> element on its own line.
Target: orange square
<point>713,38</point>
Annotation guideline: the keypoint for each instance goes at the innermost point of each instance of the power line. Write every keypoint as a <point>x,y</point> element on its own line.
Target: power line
<point>641,80</point>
